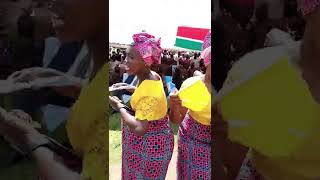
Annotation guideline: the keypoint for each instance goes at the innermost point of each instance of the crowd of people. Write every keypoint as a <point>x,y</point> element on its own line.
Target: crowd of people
<point>239,32</point>
<point>180,65</point>
<point>147,137</point>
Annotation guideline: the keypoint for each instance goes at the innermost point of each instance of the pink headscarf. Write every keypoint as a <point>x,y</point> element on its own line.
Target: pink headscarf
<point>308,6</point>
<point>148,47</point>
<point>206,49</point>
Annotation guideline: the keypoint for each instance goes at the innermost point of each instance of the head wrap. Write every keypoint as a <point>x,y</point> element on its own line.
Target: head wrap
<point>308,6</point>
<point>206,49</point>
<point>148,47</point>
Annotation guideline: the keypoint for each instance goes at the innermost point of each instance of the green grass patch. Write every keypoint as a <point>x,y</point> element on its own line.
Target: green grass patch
<point>115,122</point>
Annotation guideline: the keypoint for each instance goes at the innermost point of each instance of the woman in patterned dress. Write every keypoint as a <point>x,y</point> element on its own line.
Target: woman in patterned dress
<point>147,139</point>
<point>194,149</point>
<point>243,163</point>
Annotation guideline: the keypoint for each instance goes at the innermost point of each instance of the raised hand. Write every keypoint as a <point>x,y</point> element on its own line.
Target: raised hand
<point>19,130</point>
<point>115,102</point>
<point>122,86</point>
<point>31,74</point>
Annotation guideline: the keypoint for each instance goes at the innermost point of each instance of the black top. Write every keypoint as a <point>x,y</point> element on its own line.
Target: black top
<point>66,56</point>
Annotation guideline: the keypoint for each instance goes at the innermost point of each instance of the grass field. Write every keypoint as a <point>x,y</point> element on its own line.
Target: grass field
<point>115,149</point>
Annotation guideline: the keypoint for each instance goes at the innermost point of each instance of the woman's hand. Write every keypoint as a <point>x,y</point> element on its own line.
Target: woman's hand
<point>23,76</point>
<point>37,78</point>
<point>231,153</point>
<point>174,100</point>
<point>18,129</point>
<point>177,111</point>
<point>115,102</point>
<point>21,115</point>
<point>55,81</point>
<point>122,86</point>
<point>9,87</point>
<point>24,116</point>
<point>31,74</point>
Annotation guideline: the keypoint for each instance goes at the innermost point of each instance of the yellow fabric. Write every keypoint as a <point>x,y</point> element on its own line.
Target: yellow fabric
<point>149,101</point>
<point>275,114</point>
<point>194,94</point>
<point>304,165</point>
<point>87,127</point>
<point>196,97</point>
<point>202,117</point>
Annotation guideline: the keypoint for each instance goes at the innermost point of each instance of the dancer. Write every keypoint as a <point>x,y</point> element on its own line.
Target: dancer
<point>147,139</point>
<point>194,149</point>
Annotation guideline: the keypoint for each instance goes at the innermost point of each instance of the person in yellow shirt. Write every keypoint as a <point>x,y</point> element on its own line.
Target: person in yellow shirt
<point>147,139</point>
<point>87,124</point>
<point>194,148</point>
<point>242,162</point>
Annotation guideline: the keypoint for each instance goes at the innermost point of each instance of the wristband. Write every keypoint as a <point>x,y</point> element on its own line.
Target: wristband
<point>46,145</point>
<point>121,107</point>
<point>49,144</point>
<point>126,108</point>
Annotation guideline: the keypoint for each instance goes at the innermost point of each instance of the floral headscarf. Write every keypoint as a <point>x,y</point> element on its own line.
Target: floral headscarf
<point>148,47</point>
<point>308,6</point>
<point>206,49</point>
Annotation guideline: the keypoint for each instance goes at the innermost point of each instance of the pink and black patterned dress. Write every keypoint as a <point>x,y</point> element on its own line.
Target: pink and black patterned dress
<point>147,157</point>
<point>194,150</point>
<point>248,171</point>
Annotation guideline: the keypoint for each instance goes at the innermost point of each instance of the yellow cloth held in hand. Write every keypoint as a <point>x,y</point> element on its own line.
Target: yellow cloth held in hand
<point>87,127</point>
<point>149,101</point>
<point>275,114</point>
<point>275,105</point>
<point>196,97</point>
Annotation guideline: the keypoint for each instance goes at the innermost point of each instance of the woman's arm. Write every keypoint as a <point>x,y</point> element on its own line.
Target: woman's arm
<point>218,170</point>
<point>49,168</point>
<point>136,126</point>
<point>177,114</point>
<point>231,154</point>
<point>177,111</point>
<point>68,91</point>
<point>21,133</point>
<point>74,90</point>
